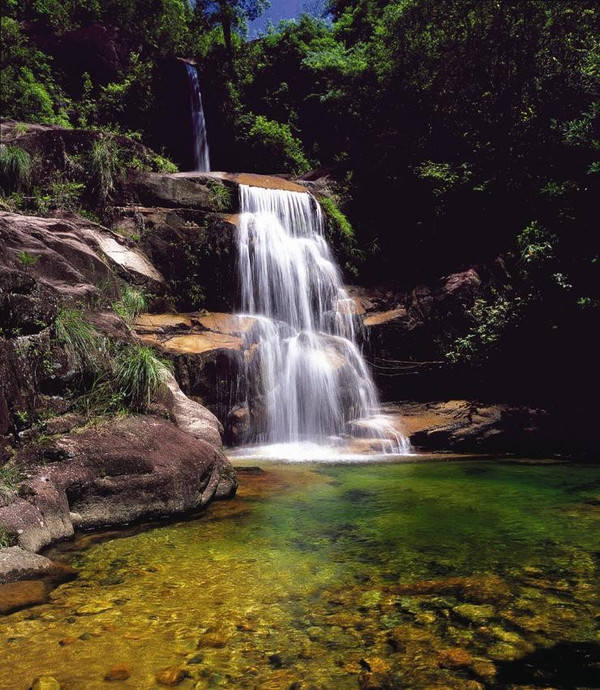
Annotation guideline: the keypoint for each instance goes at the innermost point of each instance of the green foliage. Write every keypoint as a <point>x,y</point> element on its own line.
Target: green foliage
<point>332,211</point>
<point>79,338</point>
<point>104,168</point>
<point>443,176</point>
<point>131,303</point>
<point>139,375</point>
<point>536,244</point>
<point>222,196</point>
<point>272,145</point>
<point>164,165</point>
<point>66,195</point>
<point>118,100</point>
<point>15,169</point>
<point>6,539</point>
<point>340,234</point>
<point>27,259</point>
<point>490,322</point>
<point>10,477</point>
<point>28,88</point>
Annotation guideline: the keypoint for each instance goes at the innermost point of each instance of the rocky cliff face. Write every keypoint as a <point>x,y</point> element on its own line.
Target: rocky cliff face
<point>61,468</point>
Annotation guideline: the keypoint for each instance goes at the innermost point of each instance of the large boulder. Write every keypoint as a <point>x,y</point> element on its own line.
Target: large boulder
<point>200,191</point>
<point>73,258</point>
<point>128,469</point>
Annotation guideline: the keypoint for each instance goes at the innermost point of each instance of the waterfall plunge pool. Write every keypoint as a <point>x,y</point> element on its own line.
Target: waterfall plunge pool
<point>462,574</point>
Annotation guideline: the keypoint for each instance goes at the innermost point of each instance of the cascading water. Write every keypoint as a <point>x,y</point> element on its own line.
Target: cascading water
<point>201,157</point>
<point>307,369</point>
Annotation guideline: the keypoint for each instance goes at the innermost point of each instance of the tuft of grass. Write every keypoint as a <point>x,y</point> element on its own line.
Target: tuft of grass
<point>104,168</point>
<point>132,303</point>
<point>79,338</point>
<point>139,375</point>
<point>27,259</point>
<point>15,169</point>
<point>6,539</point>
<point>222,197</point>
<point>9,477</point>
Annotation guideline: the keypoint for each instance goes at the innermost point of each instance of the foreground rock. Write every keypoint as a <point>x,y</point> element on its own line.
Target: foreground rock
<point>18,564</point>
<point>129,469</point>
<point>27,578</point>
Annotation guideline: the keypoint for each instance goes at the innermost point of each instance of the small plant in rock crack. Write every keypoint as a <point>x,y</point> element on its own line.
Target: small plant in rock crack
<point>79,338</point>
<point>132,303</point>
<point>27,259</point>
<point>9,477</point>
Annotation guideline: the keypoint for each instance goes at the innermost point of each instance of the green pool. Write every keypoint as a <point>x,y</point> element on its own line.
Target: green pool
<point>462,574</point>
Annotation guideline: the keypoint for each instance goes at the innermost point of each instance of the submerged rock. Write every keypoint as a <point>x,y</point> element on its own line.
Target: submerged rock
<point>477,588</point>
<point>473,613</point>
<point>455,658</point>
<point>45,683</point>
<point>119,672</point>
<point>18,595</point>
<point>171,676</point>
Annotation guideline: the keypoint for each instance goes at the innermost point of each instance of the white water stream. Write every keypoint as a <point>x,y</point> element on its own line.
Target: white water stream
<point>315,388</point>
<point>201,155</point>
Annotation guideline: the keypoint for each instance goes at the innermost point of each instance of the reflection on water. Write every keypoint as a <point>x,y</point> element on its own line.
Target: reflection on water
<point>454,575</point>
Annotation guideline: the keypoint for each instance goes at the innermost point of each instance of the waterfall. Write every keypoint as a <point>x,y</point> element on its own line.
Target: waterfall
<point>306,368</point>
<point>201,158</point>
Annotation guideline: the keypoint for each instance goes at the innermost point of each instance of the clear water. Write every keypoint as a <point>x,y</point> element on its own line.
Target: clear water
<point>200,137</point>
<point>307,370</point>
<point>438,575</point>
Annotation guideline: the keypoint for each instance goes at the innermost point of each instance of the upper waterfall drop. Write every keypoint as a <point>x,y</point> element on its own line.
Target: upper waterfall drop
<point>308,371</point>
<point>200,146</point>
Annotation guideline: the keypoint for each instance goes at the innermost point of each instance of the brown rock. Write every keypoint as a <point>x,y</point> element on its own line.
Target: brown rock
<point>484,669</point>
<point>216,639</point>
<point>71,254</point>
<point>18,595</point>
<point>18,564</point>
<point>455,658</point>
<point>118,672</point>
<point>134,467</point>
<point>266,181</point>
<point>376,674</point>
<point>171,676</point>
<point>478,588</point>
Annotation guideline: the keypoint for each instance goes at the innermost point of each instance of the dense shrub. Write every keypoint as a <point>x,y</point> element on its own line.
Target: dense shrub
<point>28,88</point>
<point>270,146</point>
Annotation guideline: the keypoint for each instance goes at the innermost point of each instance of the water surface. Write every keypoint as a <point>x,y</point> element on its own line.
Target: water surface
<point>447,574</point>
